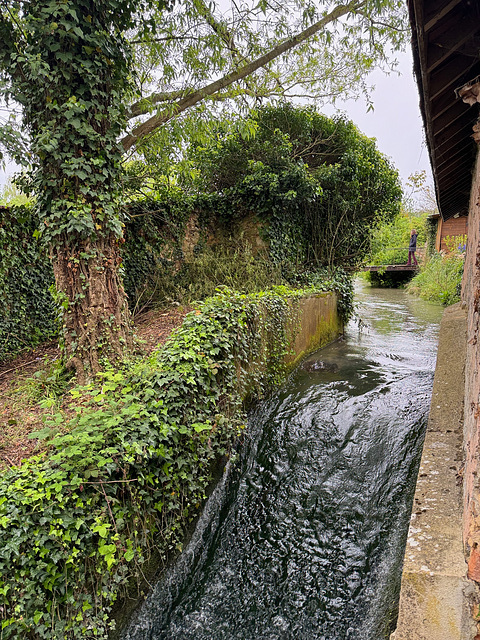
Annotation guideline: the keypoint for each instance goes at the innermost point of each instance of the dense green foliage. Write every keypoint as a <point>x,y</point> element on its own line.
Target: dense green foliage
<point>27,311</point>
<point>390,241</point>
<point>234,266</point>
<point>27,307</point>
<point>72,67</point>
<point>133,468</point>
<point>68,65</point>
<point>311,186</point>
<point>154,231</point>
<point>316,183</point>
<point>439,279</point>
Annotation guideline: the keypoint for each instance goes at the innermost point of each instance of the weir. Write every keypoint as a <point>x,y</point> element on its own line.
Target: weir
<point>305,535</point>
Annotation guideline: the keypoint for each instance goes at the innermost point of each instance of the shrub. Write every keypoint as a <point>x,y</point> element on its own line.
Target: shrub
<point>317,183</point>
<point>439,280</point>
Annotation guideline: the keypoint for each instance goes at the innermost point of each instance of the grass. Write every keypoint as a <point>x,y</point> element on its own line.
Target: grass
<point>34,386</point>
<point>440,279</point>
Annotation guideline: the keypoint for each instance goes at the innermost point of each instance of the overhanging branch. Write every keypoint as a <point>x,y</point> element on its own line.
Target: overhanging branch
<point>197,95</point>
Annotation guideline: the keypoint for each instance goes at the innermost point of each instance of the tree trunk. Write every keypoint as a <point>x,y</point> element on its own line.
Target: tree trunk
<point>96,320</point>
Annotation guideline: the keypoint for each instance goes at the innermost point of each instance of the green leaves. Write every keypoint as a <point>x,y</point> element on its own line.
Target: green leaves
<point>27,310</point>
<point>316,183</point>
<point>132,471</point>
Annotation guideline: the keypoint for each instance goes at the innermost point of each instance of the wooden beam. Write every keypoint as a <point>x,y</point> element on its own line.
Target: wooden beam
<point>458,110</point>
<point>449,155</point>
<point>460,176</point>
<point>453,171</point>
<point>457,198</point>
<point>443,47</point>
<point>442,103</point>
<point>432,20</point>
<point>458,132</point>
<point>450,75</point>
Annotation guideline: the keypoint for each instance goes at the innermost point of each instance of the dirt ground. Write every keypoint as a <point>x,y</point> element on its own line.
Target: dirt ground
<point>23,378</point>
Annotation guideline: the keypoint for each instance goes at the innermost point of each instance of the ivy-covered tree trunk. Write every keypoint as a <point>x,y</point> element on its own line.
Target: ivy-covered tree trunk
<point>96,320</point>
<point>70,68</point>
<point>68,64</point>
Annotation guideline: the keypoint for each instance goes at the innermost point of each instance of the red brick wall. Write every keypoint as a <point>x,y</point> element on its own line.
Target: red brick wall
<point>471,298</point>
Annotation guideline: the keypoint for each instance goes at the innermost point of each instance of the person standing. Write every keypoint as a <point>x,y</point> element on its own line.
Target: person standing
<point>412,247</point>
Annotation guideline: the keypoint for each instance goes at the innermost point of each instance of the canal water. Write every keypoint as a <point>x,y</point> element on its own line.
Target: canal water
<point>304,538</point>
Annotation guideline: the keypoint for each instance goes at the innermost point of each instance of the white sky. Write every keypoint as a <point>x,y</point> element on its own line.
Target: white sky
<point>395,122</point>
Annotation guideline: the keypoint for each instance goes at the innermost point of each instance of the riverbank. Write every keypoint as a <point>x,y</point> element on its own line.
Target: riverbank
<point>131,471</point>
<point>31,391</point>
<point>308,539</point>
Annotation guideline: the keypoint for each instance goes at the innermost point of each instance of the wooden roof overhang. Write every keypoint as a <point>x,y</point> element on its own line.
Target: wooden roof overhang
<point>446,53</point>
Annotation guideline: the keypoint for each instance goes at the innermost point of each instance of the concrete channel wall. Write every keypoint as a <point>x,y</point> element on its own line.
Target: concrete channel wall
<point>437,600</point>
<point>319,324</point>
<point>441,576</point>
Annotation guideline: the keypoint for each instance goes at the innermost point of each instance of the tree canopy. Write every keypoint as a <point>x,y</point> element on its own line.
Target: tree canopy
<point>90,74</point>
<point>177,55</point>
<point>320,184</point>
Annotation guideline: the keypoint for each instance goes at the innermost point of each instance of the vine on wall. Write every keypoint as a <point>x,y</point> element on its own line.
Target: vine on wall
<point>133,467</point>
<point>27,311</point>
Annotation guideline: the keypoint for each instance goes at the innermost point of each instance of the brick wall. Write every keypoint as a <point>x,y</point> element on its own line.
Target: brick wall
<point>451,227</point>
<point>471,298</point>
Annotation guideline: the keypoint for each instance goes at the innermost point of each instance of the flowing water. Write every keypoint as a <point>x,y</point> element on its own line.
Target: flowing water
<point>304,538</point>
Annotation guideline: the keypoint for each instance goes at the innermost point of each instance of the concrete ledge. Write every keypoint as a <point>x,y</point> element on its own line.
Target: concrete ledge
<point>435,594</point>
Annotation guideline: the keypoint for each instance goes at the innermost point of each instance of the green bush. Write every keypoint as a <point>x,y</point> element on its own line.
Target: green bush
<point>132,471</point>
<point>439,280</point>
<point>317,183</point>
<point>27,309</point>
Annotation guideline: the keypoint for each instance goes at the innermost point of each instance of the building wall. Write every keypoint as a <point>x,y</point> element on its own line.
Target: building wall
<point>471,299</point>
<point>450,227</point>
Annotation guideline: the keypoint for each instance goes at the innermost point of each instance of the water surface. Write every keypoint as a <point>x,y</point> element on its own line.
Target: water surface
<point>305,538</point>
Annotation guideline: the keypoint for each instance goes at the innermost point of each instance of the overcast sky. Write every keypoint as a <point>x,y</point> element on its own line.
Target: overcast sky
<point>395,122</point>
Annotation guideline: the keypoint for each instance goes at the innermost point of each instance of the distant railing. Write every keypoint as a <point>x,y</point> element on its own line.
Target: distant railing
<point>398,260</point>
<point>419,253</point>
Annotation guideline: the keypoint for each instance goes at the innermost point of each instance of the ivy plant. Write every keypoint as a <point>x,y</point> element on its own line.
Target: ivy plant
<point>128,474</point>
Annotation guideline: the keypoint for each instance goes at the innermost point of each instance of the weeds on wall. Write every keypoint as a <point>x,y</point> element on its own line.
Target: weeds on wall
<point>431,224</point>
<point>234,266</point>
<point>78,524</point>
